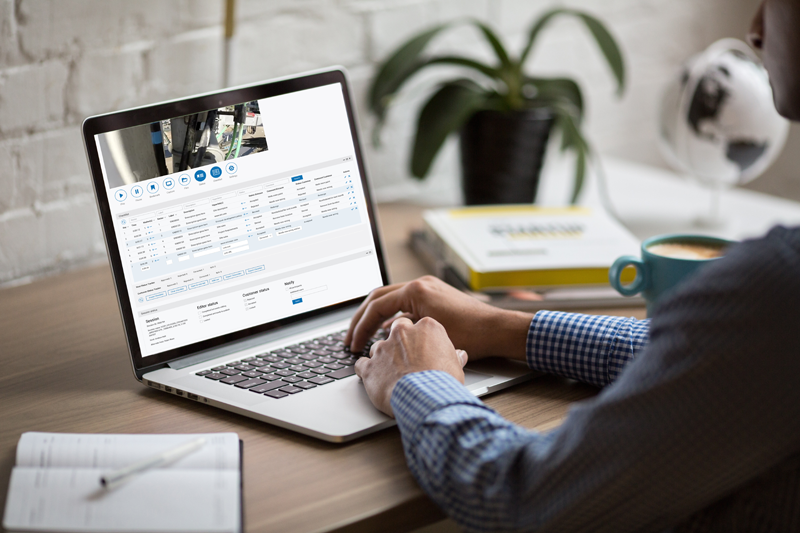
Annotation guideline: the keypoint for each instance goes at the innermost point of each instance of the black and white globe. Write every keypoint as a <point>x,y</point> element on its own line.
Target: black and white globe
<point>718,121</point>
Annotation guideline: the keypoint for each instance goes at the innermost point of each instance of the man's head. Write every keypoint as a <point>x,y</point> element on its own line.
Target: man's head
<point>776,32</point>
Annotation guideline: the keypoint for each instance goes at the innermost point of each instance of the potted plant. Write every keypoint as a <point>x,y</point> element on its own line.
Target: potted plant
<point>504,115</point>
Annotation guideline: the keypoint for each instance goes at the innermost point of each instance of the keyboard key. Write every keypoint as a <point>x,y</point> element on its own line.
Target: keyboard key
<point>321,380</point>
<point>293,361</point>
<point>284,373</point>
<point>269,377</point>
<point>320,353</point>
<point>271,358</point>
<point>334,366</point>
<point>218,368</point>
<point>257,363</point>
<point>276,394</point>
<point>312,364</point>
<point>307,357</point>
<point>349,361</point>
<point>291,389</point>
<point>244,368</point>
<point>326,360</point>
<point>230,380</point>
<point>279,365</point>
<point>203,372</point>
<point>229,372</point>
<point>305,385</point>
<point>215,375</point>
<point>247,359</point>
<point>340,355</point>
<point>306,375</point>
<point>291,379</point>
<point>343,373</point>
<point>268,386</point>
<point>249,383</point>
<point>320,370</point>
<point>282,353</point>
<point>252,374</point>
<point>298,368</point>
<point>234,363</point>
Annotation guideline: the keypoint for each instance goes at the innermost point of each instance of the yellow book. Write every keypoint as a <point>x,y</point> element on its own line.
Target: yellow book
<point>497,247</point>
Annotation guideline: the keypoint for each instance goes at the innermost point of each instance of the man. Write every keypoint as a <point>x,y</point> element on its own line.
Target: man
<point>698,428</point>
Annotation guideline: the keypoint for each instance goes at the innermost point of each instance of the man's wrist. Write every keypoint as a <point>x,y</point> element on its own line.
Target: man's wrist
<point>506,335</point>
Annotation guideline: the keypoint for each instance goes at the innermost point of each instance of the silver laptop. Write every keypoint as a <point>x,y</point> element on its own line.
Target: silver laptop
<point>242,237</point>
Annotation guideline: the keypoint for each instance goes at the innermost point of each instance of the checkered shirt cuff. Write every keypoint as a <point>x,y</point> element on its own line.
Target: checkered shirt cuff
<point>589,348</point>
<point>417,395</point>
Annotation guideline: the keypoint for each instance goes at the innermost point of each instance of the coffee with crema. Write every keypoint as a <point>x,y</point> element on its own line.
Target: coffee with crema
<point>687,250</point>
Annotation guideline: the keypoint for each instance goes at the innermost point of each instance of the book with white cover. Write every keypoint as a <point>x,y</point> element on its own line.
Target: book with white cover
<point>55,485</point>
<point>527,246</point>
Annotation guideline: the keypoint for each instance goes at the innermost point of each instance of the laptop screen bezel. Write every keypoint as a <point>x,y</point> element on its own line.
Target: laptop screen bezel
<point>100,124</point>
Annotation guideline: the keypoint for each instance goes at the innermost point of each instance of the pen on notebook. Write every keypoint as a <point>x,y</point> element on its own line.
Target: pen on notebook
<point>112,479</point>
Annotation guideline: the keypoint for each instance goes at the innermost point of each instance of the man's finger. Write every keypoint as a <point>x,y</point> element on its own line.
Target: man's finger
<point>388,323</point>
<point>402,319</point>
<point>361,366</point>
<point>463,357</point>
<point>373,348</point>
<point>376,312</point>
<point>380,291</point>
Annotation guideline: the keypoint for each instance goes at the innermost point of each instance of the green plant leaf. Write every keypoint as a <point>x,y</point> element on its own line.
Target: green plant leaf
<point>494,41</point>
<point>403,63</point>
<point>486,70</point>
<point>444,113</point>
<point>536,29</point>
<point>559,90</point>
<point>580,174</point>
<point>608,46</point>
<point>572,139</point>
<point>605,41</point>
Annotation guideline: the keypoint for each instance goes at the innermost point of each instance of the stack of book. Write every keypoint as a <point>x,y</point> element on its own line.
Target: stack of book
<point>526,257</point>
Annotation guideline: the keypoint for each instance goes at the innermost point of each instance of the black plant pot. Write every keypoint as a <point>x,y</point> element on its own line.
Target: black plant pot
<point>502,154</point>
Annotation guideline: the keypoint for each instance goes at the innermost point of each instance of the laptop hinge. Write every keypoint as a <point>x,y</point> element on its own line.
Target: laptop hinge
<point>264,338</point>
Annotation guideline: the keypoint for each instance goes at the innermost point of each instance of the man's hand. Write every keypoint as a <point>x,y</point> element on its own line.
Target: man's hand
<point>474,326</point>
<point>409,348</point>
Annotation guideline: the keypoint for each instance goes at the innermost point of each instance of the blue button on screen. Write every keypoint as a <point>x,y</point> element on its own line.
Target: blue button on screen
<point>216,172</point>
<point>297,301</point>
<point>200,175</point>
<point>297,178</point>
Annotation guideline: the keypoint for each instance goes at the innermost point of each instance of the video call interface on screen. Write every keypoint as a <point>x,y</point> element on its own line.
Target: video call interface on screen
<point>238,216</point>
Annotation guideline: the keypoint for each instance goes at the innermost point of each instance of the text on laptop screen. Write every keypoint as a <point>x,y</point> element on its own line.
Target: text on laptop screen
<point>238,216</point>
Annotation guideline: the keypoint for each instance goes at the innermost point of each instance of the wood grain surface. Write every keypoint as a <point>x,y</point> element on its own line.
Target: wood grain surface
<point>65,368</point>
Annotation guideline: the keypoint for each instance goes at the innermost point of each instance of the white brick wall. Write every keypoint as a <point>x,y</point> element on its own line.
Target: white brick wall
<point>61,60</point>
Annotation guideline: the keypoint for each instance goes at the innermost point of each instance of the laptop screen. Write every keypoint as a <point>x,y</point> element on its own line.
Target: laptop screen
<point>238,216</point>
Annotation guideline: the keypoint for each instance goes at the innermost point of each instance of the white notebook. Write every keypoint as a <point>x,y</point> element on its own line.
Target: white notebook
<point>55,485</point>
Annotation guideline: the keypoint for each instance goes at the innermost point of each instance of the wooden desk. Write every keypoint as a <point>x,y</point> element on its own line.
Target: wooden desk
<point>65,368</point>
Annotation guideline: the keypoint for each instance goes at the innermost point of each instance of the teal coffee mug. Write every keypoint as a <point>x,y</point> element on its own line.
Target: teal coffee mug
<point>666,261</point>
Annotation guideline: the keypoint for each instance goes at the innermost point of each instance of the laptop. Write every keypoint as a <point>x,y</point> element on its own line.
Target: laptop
<point>242,237</point>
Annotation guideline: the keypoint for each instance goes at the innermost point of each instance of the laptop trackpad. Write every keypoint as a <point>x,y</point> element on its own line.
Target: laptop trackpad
<point>471,377</point>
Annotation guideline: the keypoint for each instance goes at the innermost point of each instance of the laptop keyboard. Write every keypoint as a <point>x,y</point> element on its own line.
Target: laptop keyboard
<point>292,369</point>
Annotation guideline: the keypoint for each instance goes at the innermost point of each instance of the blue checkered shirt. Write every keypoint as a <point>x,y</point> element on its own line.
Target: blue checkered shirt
<point>697,427</point>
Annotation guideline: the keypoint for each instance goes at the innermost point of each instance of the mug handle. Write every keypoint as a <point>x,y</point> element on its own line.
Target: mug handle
<point>639,283</point>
